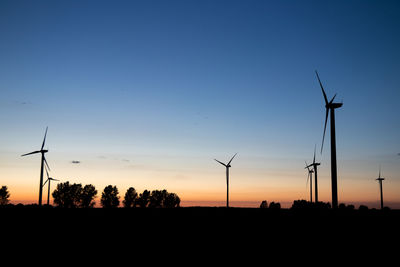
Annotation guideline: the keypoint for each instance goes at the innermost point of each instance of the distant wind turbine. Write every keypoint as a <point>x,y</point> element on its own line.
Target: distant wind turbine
<point>380,179</point>
<point>330,106</point>
<point>43,161</point>
<point>315,168</point>
<point>228,165</point>
<point>49,179</point>
<point>309,177</point>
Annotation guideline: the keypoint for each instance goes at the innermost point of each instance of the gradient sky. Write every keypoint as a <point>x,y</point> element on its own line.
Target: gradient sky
<point>148,93</point>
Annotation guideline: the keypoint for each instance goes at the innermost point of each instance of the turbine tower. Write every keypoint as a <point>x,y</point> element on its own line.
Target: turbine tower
<point>309,177</point>
<point>330,107</point>
<point>43,161</point>
<point>380,179</point>
<point>228,165</point>
<point>315,168</point>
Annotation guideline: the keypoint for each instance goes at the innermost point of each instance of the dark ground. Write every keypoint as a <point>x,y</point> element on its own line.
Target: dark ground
<point>198,219</point>
<point>203,230</point>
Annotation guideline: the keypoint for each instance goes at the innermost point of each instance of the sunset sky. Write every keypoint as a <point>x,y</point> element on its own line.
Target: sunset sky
<point>147,93</point>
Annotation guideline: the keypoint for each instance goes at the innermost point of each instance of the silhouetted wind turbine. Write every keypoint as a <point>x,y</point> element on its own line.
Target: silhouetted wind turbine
<point>228,165</point>
<point>43,161</point>
<point>330,106</point>
<point>309,177</point>
<point>49,179</point>
<point>380,179</point>
<point>315,168</point>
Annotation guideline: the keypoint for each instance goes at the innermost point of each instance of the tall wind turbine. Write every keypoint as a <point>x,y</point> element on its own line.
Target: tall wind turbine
<point>49,179</point>
<point>228,165</point>
<point>330,107</point>
<point>315,168</point>
<point>309,177</point>
<point>380,179</point>
<point>43,161</point>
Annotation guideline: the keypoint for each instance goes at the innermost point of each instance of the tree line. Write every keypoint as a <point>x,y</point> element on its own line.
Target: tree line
<point>68,195</point>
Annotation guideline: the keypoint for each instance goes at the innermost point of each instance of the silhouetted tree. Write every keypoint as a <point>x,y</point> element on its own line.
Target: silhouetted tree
<point>322,205</point>
<point>304,204</point>
<point>386,209</point>
<point>163,199</point>
<point>88,194</point>
<point>109,197</point>
<point>4,195</point>
<point>67,195</point>
<point>301,204</point>
<point>172,201</point>
<point>264,204</point>
<point>143,199</point>
<point>276,206</point>
<point>130,198</point>
<point>156,198</point>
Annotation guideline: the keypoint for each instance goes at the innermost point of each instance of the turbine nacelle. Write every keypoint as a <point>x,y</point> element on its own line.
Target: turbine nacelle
<point>380,178</point>
<point>228,165</point>
<point>333,105</point>
<point>41,149</point>
<point>49,179</point>
<point>308,167</point>
<point>314,164</point>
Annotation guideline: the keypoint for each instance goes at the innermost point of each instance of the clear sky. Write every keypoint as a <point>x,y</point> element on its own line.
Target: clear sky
<point>148,93</point>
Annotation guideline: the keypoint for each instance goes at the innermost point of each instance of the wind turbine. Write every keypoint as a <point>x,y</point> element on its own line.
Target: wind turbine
<point>331,106</point>
<point>315,168</point>
<point>49,179</point>
<point>228,165</point>
<point>43,161</point>
<point>380,179</point>
<point>309,177</point>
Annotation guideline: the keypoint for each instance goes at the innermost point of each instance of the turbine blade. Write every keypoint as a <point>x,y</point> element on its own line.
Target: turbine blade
<point>308,178</point>
<point>45,167</point>
<point>379,171</point>
<point>48,176</point>
<point>45,161</point>
<point>315,147</point>
<point>323,91</point>
<point>333,98</point>
<point>232,159</point>
<point>34,152</point>
<point>46,182</point>
<point>44,139</point>
<point>220,162</point>
<point>323,137</point>
<point>307,167</point>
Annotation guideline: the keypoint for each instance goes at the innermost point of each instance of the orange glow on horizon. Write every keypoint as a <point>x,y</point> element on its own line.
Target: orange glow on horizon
<point>196,186</point>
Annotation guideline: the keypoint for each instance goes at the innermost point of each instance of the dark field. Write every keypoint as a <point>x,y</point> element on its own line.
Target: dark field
<point>201,232</point>
<point>199,219</point>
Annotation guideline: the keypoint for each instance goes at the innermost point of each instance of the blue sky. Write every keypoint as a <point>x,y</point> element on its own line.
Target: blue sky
<point>182,82</point>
